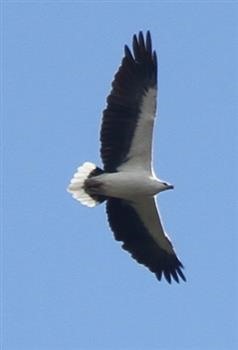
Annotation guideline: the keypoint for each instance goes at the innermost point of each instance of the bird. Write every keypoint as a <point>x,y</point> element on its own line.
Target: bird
<point>127,182</point>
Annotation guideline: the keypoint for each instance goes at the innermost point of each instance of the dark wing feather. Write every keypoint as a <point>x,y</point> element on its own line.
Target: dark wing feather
<point>128,228</point>
<point>136,75</point>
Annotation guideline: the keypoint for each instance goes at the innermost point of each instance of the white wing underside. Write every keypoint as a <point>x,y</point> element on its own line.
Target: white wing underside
<point>146,208</point>
<point>140,153</point>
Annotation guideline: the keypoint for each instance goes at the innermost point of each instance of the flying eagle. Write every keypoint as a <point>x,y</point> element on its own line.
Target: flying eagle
<point>128,183</point>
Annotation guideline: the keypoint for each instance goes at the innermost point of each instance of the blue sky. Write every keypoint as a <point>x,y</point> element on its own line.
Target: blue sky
<point>67,284</point>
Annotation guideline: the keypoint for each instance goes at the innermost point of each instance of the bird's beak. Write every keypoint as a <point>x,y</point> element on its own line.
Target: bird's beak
<point>170,187</point>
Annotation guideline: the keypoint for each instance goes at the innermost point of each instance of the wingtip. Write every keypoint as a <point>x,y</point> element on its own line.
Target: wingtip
<point>141,40</point>
<point>180,272</point>
<point>171,275</point>
<point>159,275</point>
<point>175,276</point>
<point>134,38</point>
<point>128,53</point>
<point>167,276</point>
<point>155,59</point>
<point>148,42</point>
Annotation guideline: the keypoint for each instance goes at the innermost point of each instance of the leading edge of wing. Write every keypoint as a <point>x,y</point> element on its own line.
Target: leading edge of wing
<point>135,77</point>
<point>128,227</point>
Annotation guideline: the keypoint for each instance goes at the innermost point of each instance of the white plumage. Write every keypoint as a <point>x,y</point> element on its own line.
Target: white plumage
<point>76,186</point>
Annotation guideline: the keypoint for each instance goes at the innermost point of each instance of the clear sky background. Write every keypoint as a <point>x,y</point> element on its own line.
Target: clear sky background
<point>67,284</point>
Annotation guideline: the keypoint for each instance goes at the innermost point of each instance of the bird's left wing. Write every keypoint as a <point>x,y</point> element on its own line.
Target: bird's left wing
<point>137,224</point>
<point>127,125</point>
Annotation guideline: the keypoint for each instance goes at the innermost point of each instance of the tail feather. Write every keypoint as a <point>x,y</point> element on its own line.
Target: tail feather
<point>76,186</point>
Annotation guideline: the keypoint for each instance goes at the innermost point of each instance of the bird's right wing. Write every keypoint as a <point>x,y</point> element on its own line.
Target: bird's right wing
<point>137,224</point>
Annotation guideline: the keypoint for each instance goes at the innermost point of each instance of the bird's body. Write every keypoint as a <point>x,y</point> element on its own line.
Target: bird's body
<point>125,185</point>
<point>128,182</point>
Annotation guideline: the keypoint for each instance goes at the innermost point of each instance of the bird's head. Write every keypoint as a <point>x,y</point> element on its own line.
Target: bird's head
<point>166,186</point>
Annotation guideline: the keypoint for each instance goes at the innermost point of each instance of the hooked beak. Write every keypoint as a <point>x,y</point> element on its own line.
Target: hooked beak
<point>170,187</point>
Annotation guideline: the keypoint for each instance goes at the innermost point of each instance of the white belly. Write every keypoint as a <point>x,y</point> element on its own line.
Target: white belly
<point>128,185</point>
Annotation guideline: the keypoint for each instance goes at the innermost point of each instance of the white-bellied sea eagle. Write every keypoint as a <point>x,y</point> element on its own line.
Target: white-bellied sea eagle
<point>127,182</point>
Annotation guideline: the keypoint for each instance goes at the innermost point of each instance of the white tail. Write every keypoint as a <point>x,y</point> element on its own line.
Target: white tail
<point>76,186</point>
